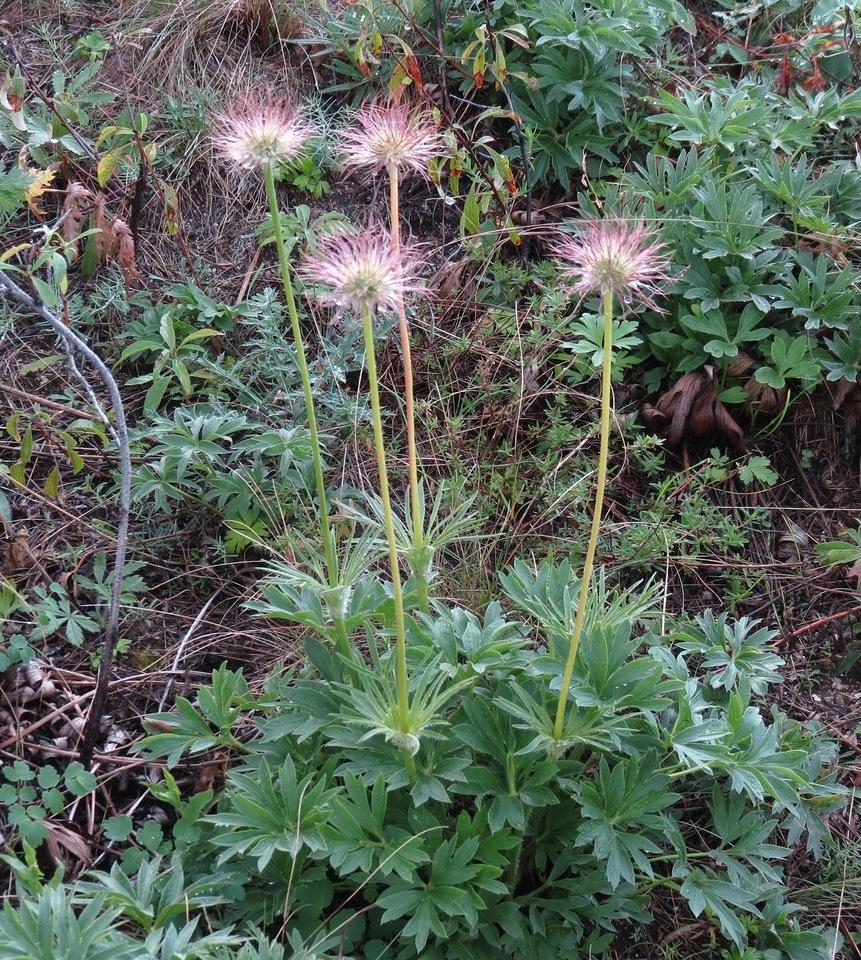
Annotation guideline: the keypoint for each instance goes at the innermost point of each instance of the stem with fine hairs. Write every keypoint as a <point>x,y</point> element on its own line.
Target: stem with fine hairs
<point>302,362</point>
<point>402,679</point>
<point>409,398</point>
<point>601,483</point>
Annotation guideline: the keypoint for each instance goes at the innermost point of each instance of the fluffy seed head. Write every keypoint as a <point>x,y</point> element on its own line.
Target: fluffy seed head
<point>613,256</point>
<point>361,272</point>
<point>255,135</point>
<point>391,135</point>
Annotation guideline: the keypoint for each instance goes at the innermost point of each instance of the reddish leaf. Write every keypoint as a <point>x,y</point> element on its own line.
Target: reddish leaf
<point>784,78</point>
<point>411,65</point>
<point>815,83</point>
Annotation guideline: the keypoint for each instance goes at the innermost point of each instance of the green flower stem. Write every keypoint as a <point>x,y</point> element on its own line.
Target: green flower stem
<point>301,360</point>
<point>516,866</point>
<point>409,398</point>
<point>403,692</point>
<point>607,304</point>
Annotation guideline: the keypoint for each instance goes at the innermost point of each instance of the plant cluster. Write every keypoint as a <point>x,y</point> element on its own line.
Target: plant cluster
<point>499,839</point>
<point>529,777</point>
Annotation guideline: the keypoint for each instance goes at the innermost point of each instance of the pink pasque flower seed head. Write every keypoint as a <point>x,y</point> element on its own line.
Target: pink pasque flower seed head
<point>361,272</point>
<point>256,135</point>
<point>391,135</point>
<point>613,256</point>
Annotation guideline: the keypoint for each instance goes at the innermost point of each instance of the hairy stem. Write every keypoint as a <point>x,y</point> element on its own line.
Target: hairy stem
<point>409,398</point>
<point>389,524</point>
<point>607,305</point>
<point>302,362</point>
<point>516,865</point>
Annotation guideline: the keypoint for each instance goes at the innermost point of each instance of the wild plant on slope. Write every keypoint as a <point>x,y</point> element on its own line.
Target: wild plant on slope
<point>367,275</point>
<point>615,260</point>
<point>256,138</point>
<point>400,140</point>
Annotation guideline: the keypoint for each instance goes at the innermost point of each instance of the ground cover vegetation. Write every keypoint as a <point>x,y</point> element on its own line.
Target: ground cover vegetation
<point>429,480</point>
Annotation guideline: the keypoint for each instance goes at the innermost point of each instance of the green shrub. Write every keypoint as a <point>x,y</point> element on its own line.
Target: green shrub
<point>671,776</point>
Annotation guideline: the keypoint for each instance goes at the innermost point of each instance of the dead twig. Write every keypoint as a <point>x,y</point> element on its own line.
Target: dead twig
<point>75,345</point>
<point>842,614</point>
<point>50,404</point>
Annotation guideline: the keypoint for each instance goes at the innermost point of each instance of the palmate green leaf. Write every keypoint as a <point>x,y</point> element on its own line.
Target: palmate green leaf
<point>590,329</point>
<point>511,782</point>
<point>469,646</point>
<point>451,891</point>
<point>534,713</point>
<point>271,811</point>
<point>360,838</point>
<point>743,836</point>
<point>669,181</point>
<point>621,809</point>
<point>732,652</point>
<point>157,894</point>
<point>758,469</point>
<point>441,763</point>
<point>301,592</point>
<point>549,592</point>
<point>48,927</point>
<point>55,613</point>
<point>728,116</point>
<point>191,728</point>
<point>14,184</point>
<point>846,349</point>
<point>301,708</point>
<point>705,892</point>
<point>78,780</point>
<point>791,359</point>
<point>609,676</point>
<point>546,592</point>
<point>175,942</point>
<point>698,745</point>
<point>756,763</point>
<point>819,296</point>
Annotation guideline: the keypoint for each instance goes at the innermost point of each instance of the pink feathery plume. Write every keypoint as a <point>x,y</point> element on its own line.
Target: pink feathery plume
<point>361,272</point>
<point>391,135</point>
<point>258,134</point>
<point>613,256</point>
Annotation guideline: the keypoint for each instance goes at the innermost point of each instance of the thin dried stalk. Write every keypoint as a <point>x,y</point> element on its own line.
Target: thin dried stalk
<point>74,344</point>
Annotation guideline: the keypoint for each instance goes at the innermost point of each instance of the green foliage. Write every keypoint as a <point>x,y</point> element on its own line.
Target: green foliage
<point>464,828</point>
<point>14,183</point>
<point>246,472</point>
<point>15,650</point>
<point>837,553</point>
<point>732,652</point>
<point>175,361</point>
<point>758,469</point>
<point>306,175</point>
<point>190,729</point>
<point>507,843</point>
<point>29,797</point>
<point>55,613</point>
<point>845,362</point>
<point>569,71</point>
